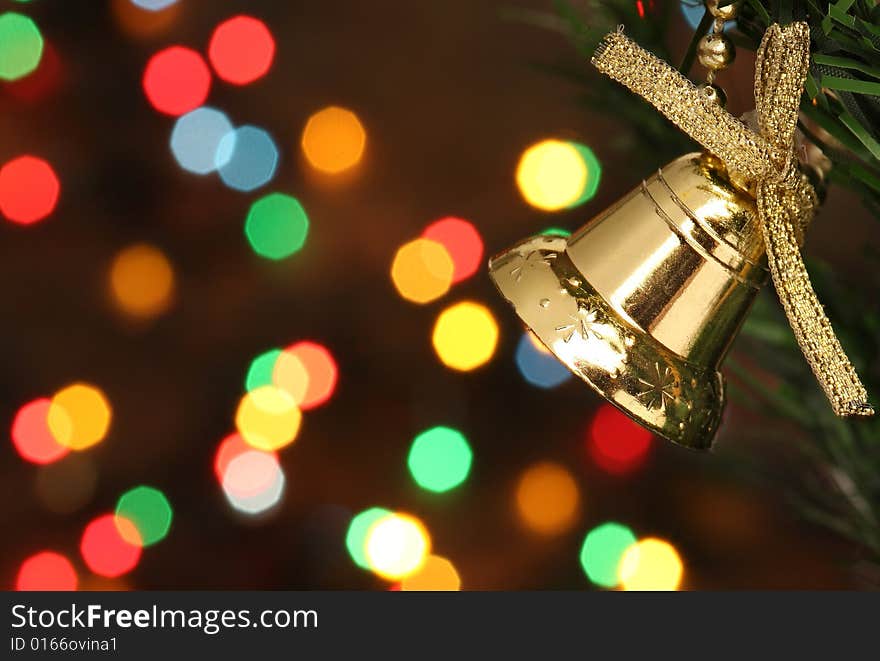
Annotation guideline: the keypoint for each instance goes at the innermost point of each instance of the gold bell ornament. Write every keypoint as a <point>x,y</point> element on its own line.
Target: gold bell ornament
<point>644,301</point>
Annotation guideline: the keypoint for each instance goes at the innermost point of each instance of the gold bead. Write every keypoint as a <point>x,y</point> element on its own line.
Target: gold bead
<point>725,13</point>
<point>714,93</point>
<point>716,51</point>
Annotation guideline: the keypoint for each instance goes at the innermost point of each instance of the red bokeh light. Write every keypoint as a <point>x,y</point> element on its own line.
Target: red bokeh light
<point>231,447</point>
<point>28,189</point>
<point>617,444</point>
<point>31,435</point>
<point>108,546</point>
<point>176,80</point>
<point>41,82</point>
<point>322,371</point>
<point>241,50</point>
<point>463,243</point>
<point>46,570</point>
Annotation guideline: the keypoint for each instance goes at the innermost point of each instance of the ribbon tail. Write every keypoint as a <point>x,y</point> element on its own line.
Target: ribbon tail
<point>811,327</point>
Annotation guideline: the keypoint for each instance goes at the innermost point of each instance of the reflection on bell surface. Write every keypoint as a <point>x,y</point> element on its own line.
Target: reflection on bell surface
<point>644,300</point>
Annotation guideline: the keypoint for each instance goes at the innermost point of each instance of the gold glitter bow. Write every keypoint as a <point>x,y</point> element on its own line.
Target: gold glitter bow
<point>786,199</point>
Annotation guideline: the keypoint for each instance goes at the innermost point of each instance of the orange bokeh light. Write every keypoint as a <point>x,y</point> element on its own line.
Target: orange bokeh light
<point>321,370</point>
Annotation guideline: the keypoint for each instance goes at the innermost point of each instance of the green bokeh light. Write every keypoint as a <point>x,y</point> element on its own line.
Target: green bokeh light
<point>440,459</point>
<point>594,174</point>
<point>260,371</point>
<point>21,46</point>
<point>556,231</point>
<point>602,550</point>
<point>356,538</point>
<point>276,226</point>
<point>149,510</point>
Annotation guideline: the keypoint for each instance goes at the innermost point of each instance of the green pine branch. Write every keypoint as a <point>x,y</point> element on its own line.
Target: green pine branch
<point>841,115</point>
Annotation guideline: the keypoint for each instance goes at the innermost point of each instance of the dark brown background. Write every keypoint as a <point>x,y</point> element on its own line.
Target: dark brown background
<point>449,98</point>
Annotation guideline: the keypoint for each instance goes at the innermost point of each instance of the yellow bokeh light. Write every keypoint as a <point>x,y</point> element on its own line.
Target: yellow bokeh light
<point>79,416</point>
<point>547,498</point>
<point>333,140</point>
<point>397,546</point>
<point>651,564</point>
<point>465,336</point>
<point>436,575</point>
<point>268,418</point>
<point>422,270</point>
<point>551,175</point>
<point>291,375</point>
<point>142,281</point>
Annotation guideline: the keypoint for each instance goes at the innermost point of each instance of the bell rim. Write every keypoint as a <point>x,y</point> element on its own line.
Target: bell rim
<point>653,386</point>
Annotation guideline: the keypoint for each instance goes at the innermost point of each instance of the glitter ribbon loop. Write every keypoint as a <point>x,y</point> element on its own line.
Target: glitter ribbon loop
<point>786,199</point>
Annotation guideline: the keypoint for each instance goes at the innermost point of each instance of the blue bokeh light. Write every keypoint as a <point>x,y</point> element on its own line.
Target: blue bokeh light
<point>153,5</point>
<point>247,158</point>
<point>692,10</point>
<point>538,367</point>
<point>196,138</point>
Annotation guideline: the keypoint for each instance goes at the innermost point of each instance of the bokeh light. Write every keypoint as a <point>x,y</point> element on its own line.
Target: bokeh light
<point>79,416</point>
<point>439,459</point>
<point>554,174</point>
<point>142,281</point>
<point>228,449</point>
<point>436,575</point>
<point>321,369</point>
<point>109,546</point>
<point>602,551</point>
<point>254,482</point>
<point>247,158</point>
<point>422,270</point>
<point>333,140</point>
<point>465,336</point>
<point>196,138</point>
<point>556,231</point>
<point>548,500</point>
<point>617,444</point>
<point>142,23</point>
<point>21,46</point>
<point>260,370</point>
<point>29,189</point>
<point>651,564</point>
<point>594,173</point>
<point>463,243</point>
<point>46,570</point>
<point>41,82</point>
<point>176,80</point>
<point>268,418</point>
<point>154,5</point>
<point>539,367</point>
<point>693,11</point>
<point>397,546</point>
<point>31,436</point>
<point>150,512</point>
<point>276,226</point>
<point>291,375</point>
<point>241,50</point>
<point>356,536</point>
<point>68,485</point>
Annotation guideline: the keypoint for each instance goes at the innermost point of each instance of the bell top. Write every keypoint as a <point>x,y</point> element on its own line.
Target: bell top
<point>680,257</point>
